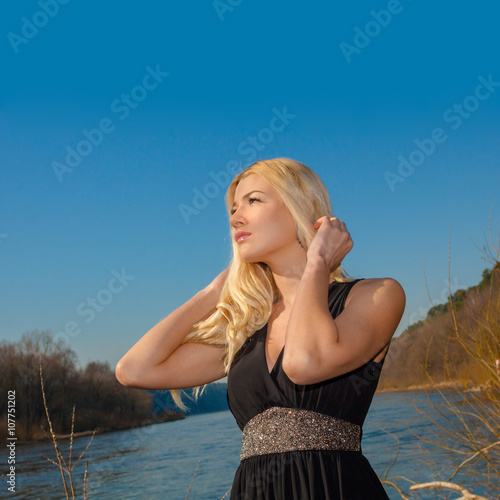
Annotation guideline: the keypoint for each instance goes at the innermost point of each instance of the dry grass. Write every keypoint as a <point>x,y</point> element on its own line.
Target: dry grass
<point>466,421</point>
<point>192,481</point>
<point>66,468</point>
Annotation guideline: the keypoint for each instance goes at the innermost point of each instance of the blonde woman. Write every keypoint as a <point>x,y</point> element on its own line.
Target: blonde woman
<point>301,342</point>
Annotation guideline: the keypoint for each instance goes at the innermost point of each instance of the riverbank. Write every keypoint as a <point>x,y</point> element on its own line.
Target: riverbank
<point>41,438</point>
<point>436,387</point>
<point>423,387</point>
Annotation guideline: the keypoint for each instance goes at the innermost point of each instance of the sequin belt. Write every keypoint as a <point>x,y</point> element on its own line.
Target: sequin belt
<point>280,429</point>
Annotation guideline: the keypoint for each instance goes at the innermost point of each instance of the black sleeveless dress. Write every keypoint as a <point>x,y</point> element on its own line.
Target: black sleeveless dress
<point>304,474</point>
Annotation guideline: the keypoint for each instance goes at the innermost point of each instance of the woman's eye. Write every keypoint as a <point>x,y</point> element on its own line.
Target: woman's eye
<point>249,200</point>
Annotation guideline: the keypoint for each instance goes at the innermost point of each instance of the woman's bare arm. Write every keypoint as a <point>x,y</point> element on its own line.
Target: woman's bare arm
<point>317,347</point>
<point>159,361</point>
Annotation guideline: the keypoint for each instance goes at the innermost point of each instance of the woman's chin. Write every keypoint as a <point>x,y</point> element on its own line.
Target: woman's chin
<point>249,258</point>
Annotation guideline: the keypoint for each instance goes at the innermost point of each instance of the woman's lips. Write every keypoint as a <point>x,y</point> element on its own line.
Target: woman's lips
<point>241,235</point>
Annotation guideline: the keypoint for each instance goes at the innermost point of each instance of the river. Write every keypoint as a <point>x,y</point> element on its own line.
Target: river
<point>158,461</point>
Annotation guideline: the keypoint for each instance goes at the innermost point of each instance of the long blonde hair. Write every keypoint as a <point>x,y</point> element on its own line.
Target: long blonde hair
<point>246,299</point>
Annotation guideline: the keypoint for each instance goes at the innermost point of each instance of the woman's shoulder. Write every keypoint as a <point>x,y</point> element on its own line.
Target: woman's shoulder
<point>372,286</point>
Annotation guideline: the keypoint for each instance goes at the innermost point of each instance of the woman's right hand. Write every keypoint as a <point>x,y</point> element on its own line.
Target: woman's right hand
<point>218,282</point>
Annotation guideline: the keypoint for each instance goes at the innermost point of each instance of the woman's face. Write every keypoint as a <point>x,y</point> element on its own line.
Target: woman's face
<point>258,210</point>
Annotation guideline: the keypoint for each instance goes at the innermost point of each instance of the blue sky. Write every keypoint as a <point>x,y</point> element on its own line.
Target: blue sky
<point>174,95</point>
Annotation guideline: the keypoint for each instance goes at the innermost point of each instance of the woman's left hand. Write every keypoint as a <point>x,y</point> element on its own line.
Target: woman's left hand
<point>331,243</point>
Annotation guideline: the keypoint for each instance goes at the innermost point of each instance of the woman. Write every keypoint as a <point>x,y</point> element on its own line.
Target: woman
<point>302,343</point>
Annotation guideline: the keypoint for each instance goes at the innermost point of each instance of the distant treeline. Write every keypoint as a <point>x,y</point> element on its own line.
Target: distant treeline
<point>101,401</point>
<point>447,343</point>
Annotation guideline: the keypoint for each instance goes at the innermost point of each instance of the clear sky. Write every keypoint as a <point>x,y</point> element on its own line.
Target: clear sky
<point>117,118</point>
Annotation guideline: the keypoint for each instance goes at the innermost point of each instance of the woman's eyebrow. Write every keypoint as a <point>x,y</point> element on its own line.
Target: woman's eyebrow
<point>248,194</point>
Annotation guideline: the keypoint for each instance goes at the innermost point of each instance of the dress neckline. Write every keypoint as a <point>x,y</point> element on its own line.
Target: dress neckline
<point>280,355</point>
<point>265,357</point>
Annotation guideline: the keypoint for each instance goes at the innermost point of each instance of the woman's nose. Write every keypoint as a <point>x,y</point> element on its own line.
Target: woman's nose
<point>235,218</point>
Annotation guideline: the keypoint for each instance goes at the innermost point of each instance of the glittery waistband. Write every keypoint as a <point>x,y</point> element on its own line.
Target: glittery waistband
<point>280,429</point>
